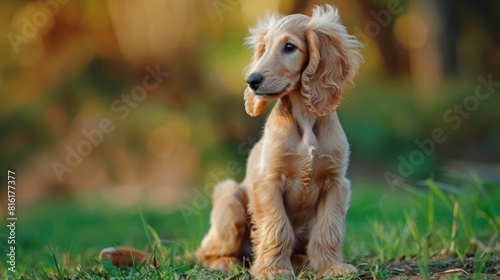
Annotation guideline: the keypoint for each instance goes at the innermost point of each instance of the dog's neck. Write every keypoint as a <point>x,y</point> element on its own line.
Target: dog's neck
<point>304,121</point>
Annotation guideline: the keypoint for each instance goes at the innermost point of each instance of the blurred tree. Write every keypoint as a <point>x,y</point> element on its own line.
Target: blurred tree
<point>453,15</point>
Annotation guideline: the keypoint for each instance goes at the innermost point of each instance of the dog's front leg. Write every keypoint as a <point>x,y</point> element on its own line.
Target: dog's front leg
<point>272,237</point>
<point>327,234</point>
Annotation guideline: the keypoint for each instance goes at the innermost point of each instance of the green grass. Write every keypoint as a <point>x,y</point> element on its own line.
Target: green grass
<point>419,230</point>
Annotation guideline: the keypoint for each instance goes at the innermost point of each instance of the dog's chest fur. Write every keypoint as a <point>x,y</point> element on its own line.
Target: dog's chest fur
<point>303,155</point>
<point>311,165</point>
<point>300,187</point>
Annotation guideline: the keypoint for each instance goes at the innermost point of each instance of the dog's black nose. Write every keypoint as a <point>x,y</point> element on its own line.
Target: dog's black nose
<point>255,80</point>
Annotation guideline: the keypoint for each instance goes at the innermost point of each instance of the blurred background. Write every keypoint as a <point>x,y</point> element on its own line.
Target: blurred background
<point>164,79</point>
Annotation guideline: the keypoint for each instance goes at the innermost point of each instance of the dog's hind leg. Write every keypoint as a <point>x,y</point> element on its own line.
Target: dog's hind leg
<point>225,241</point>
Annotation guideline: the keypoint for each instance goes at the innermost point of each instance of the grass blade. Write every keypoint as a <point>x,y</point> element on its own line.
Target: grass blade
<point>440,194</point>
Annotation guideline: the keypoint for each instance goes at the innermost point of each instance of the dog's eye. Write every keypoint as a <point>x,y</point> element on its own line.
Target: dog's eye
<point>260,51</point>
<point>289,48</point>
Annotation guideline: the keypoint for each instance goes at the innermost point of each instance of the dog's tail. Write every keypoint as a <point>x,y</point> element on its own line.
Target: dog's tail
<point>122,257</point>
<point>127,256</point>
<point>228,229</point>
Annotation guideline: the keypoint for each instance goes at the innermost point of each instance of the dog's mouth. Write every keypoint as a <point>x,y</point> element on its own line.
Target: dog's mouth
<point>267,94</point>
<point>272,94</point>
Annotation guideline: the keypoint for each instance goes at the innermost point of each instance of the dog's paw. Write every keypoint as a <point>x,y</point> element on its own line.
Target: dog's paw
<point>223,263</point>
<point>271,273</point>
<point>339,270</point>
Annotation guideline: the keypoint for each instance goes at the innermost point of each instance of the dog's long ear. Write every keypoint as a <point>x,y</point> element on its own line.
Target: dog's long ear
<point>253,103</point>
<point>334,59</point>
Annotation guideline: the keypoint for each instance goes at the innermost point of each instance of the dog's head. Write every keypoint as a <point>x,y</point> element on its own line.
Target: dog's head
<point>312,56</point>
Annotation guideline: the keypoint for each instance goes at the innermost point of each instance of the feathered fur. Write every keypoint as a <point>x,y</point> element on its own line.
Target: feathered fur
<point>295,193</point>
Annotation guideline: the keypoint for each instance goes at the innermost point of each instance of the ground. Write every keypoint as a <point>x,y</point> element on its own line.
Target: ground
<point>433,231</point>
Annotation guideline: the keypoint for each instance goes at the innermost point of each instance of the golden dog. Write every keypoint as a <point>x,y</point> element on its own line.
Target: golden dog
<point>290,209</point>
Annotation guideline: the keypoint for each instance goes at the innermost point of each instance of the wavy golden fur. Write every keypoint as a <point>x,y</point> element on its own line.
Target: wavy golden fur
<point>289,211</point>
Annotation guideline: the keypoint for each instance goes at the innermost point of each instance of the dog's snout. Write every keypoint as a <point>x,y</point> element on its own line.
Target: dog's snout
<point>255,80</point>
